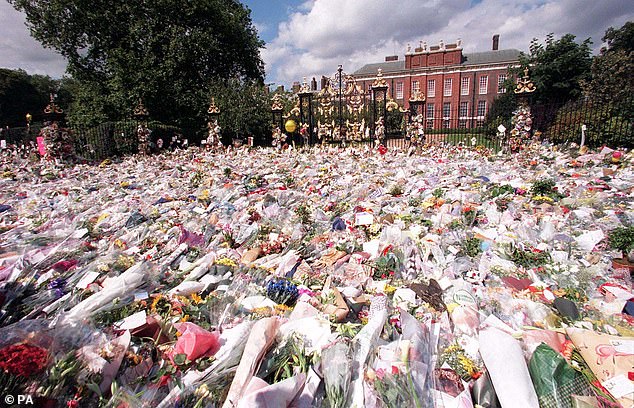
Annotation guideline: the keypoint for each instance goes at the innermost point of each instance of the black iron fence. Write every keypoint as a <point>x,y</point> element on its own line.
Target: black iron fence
<point>601,122</point>
<point>110,139</point>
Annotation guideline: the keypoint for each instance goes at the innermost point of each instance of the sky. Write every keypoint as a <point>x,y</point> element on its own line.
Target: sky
<point>306,38</point>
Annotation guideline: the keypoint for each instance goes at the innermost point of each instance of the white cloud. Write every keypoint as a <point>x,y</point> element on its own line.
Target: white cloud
<point>321,34</point>
<point>19,50</point>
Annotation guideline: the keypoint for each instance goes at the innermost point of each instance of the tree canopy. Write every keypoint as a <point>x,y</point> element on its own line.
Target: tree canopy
<point>558,67</point>
<point>21,93</point>
<point>613,69</point>
<point>166,52</point>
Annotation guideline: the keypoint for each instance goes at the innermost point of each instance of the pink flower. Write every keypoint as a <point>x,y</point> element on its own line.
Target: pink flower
<point>380,373</point>
<point>195,341</point>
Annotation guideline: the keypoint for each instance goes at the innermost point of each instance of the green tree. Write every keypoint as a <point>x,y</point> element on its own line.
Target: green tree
<point>557,67</point>
<point>166,52</point>
<point>244,109</point>
<point>613,69</point>
<point>20,94</point>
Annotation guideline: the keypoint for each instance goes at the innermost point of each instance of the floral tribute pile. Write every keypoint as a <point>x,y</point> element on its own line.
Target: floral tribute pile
<point>319,278</point>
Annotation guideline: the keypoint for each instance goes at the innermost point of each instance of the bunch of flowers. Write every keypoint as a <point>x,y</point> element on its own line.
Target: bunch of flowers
<point>23,360</point>
<point>522,123</point>
<point>456,357</point>
<point>275,244</point>
<point>282,291</point>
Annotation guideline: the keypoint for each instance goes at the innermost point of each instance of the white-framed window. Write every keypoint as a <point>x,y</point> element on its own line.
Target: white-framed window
<point>484,84</point>
<point>415,87</point>
<point>447,87</point>
<point>431,88</point>
<point>446,114</point>
<point>464,86</point>
<point>399,90</point>
<point>446,110</point>
<point>464,109</point>
<point>430,115</point>
<point>482,108</point>
<point>462,124</point>
<point>501,80</point>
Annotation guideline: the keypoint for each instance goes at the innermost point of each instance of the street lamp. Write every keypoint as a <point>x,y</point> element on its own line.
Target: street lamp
<point>29,117</point>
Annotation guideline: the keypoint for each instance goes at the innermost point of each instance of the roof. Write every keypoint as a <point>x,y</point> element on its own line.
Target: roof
<point>475,58</point>
<point>489,57</point>
<point>386,67</point>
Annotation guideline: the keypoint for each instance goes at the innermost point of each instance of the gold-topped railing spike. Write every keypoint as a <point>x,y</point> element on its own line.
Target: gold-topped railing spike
<point>213,108</point>
<point>379,82</point>
<point>276,104</point>
<point>52,107</point>
<point>524,84</point>
<point>417,96</point>
<point>140,109</point>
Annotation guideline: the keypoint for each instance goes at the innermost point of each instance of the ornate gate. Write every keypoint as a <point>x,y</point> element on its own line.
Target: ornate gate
<point>342,112</point>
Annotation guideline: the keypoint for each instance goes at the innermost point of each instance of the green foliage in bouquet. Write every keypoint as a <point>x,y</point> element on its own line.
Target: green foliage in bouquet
<point>500,189</point>
<point>545,188</point>
<point>386,266</point>
<point>396,190</point>
<point>471,247</point>
<point>290,356</point>
<point>527,257</point>
<point>304,213</point>
<point>622,239</point>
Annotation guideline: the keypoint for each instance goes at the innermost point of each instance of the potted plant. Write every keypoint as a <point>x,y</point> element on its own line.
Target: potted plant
<point>622,238</point>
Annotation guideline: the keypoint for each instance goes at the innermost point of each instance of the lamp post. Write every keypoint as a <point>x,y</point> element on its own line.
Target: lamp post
<point>29,117</point>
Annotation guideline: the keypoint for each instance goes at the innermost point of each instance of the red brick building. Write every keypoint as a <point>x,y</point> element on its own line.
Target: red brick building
<point>458,87</point>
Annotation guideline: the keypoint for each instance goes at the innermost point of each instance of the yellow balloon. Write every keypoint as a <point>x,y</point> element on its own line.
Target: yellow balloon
<point>290,126</point>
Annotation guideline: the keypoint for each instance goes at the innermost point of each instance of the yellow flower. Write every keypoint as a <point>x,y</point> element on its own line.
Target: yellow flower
<point>155,302</point>
<point>184,318</point>
<point>196,298</point>
<point>204,195</point>
<point>225,262</point>
<point>468,364</point>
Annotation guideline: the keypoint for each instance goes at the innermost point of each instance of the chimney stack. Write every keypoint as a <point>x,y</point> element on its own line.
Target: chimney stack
<point>496,42</point>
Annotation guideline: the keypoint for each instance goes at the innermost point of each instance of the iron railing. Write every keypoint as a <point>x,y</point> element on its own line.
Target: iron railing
<point>606,122</point>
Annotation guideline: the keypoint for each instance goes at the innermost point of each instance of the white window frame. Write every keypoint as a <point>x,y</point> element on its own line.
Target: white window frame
<point>399,90</point>
<point>463,113</point>
<point>484,84</point>
<point>447,85</point>
<point>415,86</point>
<point>501,79</point>
<point>482,104</point>
<point>464,85</point>
<point>431,88</point>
